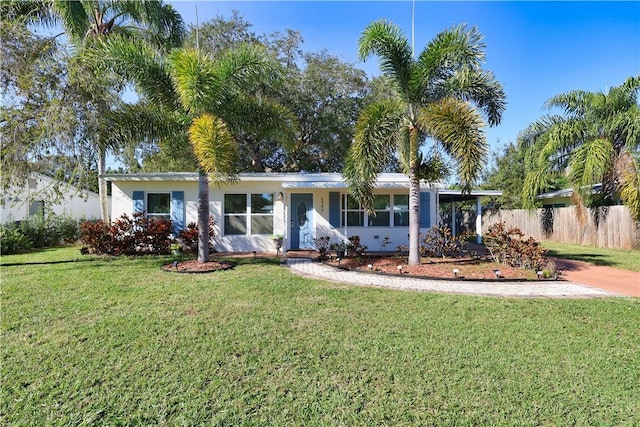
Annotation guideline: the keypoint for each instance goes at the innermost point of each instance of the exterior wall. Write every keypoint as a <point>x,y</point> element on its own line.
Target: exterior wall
<point>122,202</point>
<point>398,235</point>
<point>78,204</point>
<point>557,201</point>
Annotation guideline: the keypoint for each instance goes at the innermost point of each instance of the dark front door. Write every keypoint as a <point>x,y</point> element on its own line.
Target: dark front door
<point>302,221</point>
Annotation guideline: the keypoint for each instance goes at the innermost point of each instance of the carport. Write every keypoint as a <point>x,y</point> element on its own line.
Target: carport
<point>456,196</point>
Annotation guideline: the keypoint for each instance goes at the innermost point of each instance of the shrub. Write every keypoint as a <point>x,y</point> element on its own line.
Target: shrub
<point>322,243</point>
<point>354,247</point>
<point>34,229</point>
<point>189,236</point>
<point>508,246</point>
<point>40,232</point>
<point>12,240</point>
<point>134,235</point>
<point>61,229</point>
<point>439,241</point>
<point>95,235</point>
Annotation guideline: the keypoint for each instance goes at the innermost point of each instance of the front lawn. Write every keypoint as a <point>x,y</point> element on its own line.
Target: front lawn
<point>118,341</point>
<point>617,258</point>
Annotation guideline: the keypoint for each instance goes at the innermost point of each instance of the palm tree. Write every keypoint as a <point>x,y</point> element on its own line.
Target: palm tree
<point>189,95</point>
<point>88,21</point>
<point>440,97</point>
<point>596,140</point>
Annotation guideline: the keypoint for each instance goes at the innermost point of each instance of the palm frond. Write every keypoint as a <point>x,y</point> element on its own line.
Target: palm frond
<point>145,123</point>
<point>196,80</point>
<point>630,183</point>
<point>214,147</point>
<point>245,64</point>
<point>477,86</point>
<point>73,17</point>
<point>373,144</point>
<point>455,48</point>
<point>137,62</point>
<point>385,40</point>
<point>560,140</point>
<point>574,103</point>
<point>458,127</point>
<point>588,165</point>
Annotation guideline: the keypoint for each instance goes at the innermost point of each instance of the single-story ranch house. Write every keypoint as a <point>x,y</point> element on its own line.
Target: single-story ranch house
<point>43,195</point>
<point>297,206</point>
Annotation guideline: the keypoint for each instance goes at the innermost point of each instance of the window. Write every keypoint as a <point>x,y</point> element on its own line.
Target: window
<point>382,208</point>
<point>353,211</point>
<point>382,205</point>
<point>239,220</point>
<point>235,214</point>
<point>401,210</point>
<point>159,206</point>
<point>262,214</point>
<point>36,208</point>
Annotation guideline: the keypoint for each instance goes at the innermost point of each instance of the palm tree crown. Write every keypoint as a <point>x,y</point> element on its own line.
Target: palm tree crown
<point>444,96</point>
<point>188,95</point>
<point>596,140</point>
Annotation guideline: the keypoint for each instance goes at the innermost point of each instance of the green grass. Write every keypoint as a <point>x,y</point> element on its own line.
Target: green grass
<point>618,258</point>
<point>111,341</point>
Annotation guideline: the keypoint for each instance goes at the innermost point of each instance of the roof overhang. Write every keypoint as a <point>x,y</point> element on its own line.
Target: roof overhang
<point>448,195</point>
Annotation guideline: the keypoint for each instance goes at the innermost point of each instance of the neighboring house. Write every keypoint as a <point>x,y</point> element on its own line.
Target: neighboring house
<point>297,206</point>
<point>563,198</point>
<point>42,194</point>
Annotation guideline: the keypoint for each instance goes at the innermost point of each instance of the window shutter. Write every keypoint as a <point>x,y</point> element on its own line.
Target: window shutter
<point>334,209</point>
<point>425,210</point>
<point>138,201</point>
<point>177,211</point>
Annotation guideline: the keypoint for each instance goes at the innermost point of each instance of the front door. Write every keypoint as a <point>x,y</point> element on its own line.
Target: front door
<point>302,221</point>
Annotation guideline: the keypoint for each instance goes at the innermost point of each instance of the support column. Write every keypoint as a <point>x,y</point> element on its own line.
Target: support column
<point>478,221</point>
<point>453,218</point>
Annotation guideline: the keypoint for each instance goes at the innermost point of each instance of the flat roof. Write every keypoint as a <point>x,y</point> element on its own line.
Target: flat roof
<point>448,195</point>
<point>301,180</point>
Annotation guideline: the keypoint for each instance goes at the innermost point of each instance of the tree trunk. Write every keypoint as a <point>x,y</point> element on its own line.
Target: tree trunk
<point>102,184</point>
<point>414,218</point>
<point>414,199</point>
<point>203,217</point>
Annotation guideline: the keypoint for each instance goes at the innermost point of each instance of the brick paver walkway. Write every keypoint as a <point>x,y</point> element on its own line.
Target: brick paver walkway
<point>548,289</point>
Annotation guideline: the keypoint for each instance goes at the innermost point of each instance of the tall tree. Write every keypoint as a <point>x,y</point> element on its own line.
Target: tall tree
<point>440,97</point>
<point>324,93</point>
<point>90,22</point>
<point>596,140</point>
<point>50,109</point>
<point>510,164</point>
<point>190,96</point>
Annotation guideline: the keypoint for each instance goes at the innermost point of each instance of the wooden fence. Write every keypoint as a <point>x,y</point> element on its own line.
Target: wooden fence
<point>606,227</point>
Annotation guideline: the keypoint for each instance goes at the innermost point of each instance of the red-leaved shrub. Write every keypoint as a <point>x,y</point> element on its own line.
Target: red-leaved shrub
<point>134,235</point>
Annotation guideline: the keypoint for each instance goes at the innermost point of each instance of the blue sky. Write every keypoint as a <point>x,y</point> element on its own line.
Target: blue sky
<point>535,49</point>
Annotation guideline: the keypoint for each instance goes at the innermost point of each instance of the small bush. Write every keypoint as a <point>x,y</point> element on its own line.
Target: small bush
<point>40,232</point>
<point>354,247</point>
<point>322,243</point>
<point>96,236</point>
<point>134,235</point>
<point>189,236</point>
<point>34,229</point>
<point>12,241</point>
<point>439,241</point>
<point>508,246</point>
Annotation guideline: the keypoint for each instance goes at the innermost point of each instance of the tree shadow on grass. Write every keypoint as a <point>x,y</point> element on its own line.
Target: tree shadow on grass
<point>595,259</point>
<point>64,261</point>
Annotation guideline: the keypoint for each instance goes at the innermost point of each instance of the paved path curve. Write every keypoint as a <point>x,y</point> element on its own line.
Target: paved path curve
<point>541,289</point>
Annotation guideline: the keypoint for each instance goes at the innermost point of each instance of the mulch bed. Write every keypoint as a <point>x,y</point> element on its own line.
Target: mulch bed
<point>468,268</point>
<point>193,266</point>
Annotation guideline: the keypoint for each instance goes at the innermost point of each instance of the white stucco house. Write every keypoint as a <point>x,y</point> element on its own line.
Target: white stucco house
<point>297,206</point>
<point>41,194</point>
